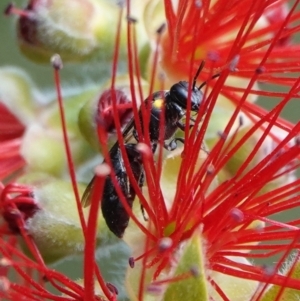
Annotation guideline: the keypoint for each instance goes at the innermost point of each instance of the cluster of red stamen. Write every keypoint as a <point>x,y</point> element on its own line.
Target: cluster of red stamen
<point>225,216</point>
<point>11,132</point>
<point>226,213</point>
<point>17,204</point>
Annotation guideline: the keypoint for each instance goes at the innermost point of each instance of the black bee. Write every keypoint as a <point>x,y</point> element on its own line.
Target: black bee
<point>113,211</point>
<point>173,103</point>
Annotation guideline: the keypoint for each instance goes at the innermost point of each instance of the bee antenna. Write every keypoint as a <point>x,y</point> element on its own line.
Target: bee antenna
<point>205,83</point>
<point>197,73</point>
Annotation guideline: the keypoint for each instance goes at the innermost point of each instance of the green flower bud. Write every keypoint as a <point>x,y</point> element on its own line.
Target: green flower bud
<point>99,110</point>
<point>51,120</point>
<point>77,30</point>
<point>56,227</point>
<point>191,260</point>
<point>193,287</point>
<point>288,294</point>
<point>44,151</point>
<point>18,93</point>
<point>43,146</point>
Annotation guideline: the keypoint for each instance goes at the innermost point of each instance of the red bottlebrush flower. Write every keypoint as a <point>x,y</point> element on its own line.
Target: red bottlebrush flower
<point>231,219</point>
<point>226,30</point>
<point>19,206</point>
<point>208,199</point>
<point>193,181</point>
<point>10,139</point>
<point>243,38</point>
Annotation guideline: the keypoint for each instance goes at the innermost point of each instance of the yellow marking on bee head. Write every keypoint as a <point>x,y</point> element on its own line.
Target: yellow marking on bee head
<point>158,103</point>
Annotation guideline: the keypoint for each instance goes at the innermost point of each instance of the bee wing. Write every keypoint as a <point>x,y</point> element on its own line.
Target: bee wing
<point>86,197</point>
<point>128,135</point>
<point>129,138</point>
<point>128,129</point>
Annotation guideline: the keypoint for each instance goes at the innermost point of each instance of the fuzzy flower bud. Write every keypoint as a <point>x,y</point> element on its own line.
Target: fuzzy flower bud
<point>56,227</point>
<point>291,268</point>
<point>48,27</point>
<point>40,147</point>
<point>18,91</point>
<point>192,287</point>
<point>99,110</point>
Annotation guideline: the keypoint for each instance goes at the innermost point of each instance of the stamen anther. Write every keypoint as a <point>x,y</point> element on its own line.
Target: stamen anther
<point>56,62</point>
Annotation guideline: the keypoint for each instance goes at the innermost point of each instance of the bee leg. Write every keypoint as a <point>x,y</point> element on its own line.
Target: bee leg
<point>182,126</point>
<point>141,184</point>
<point>180,140</point>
